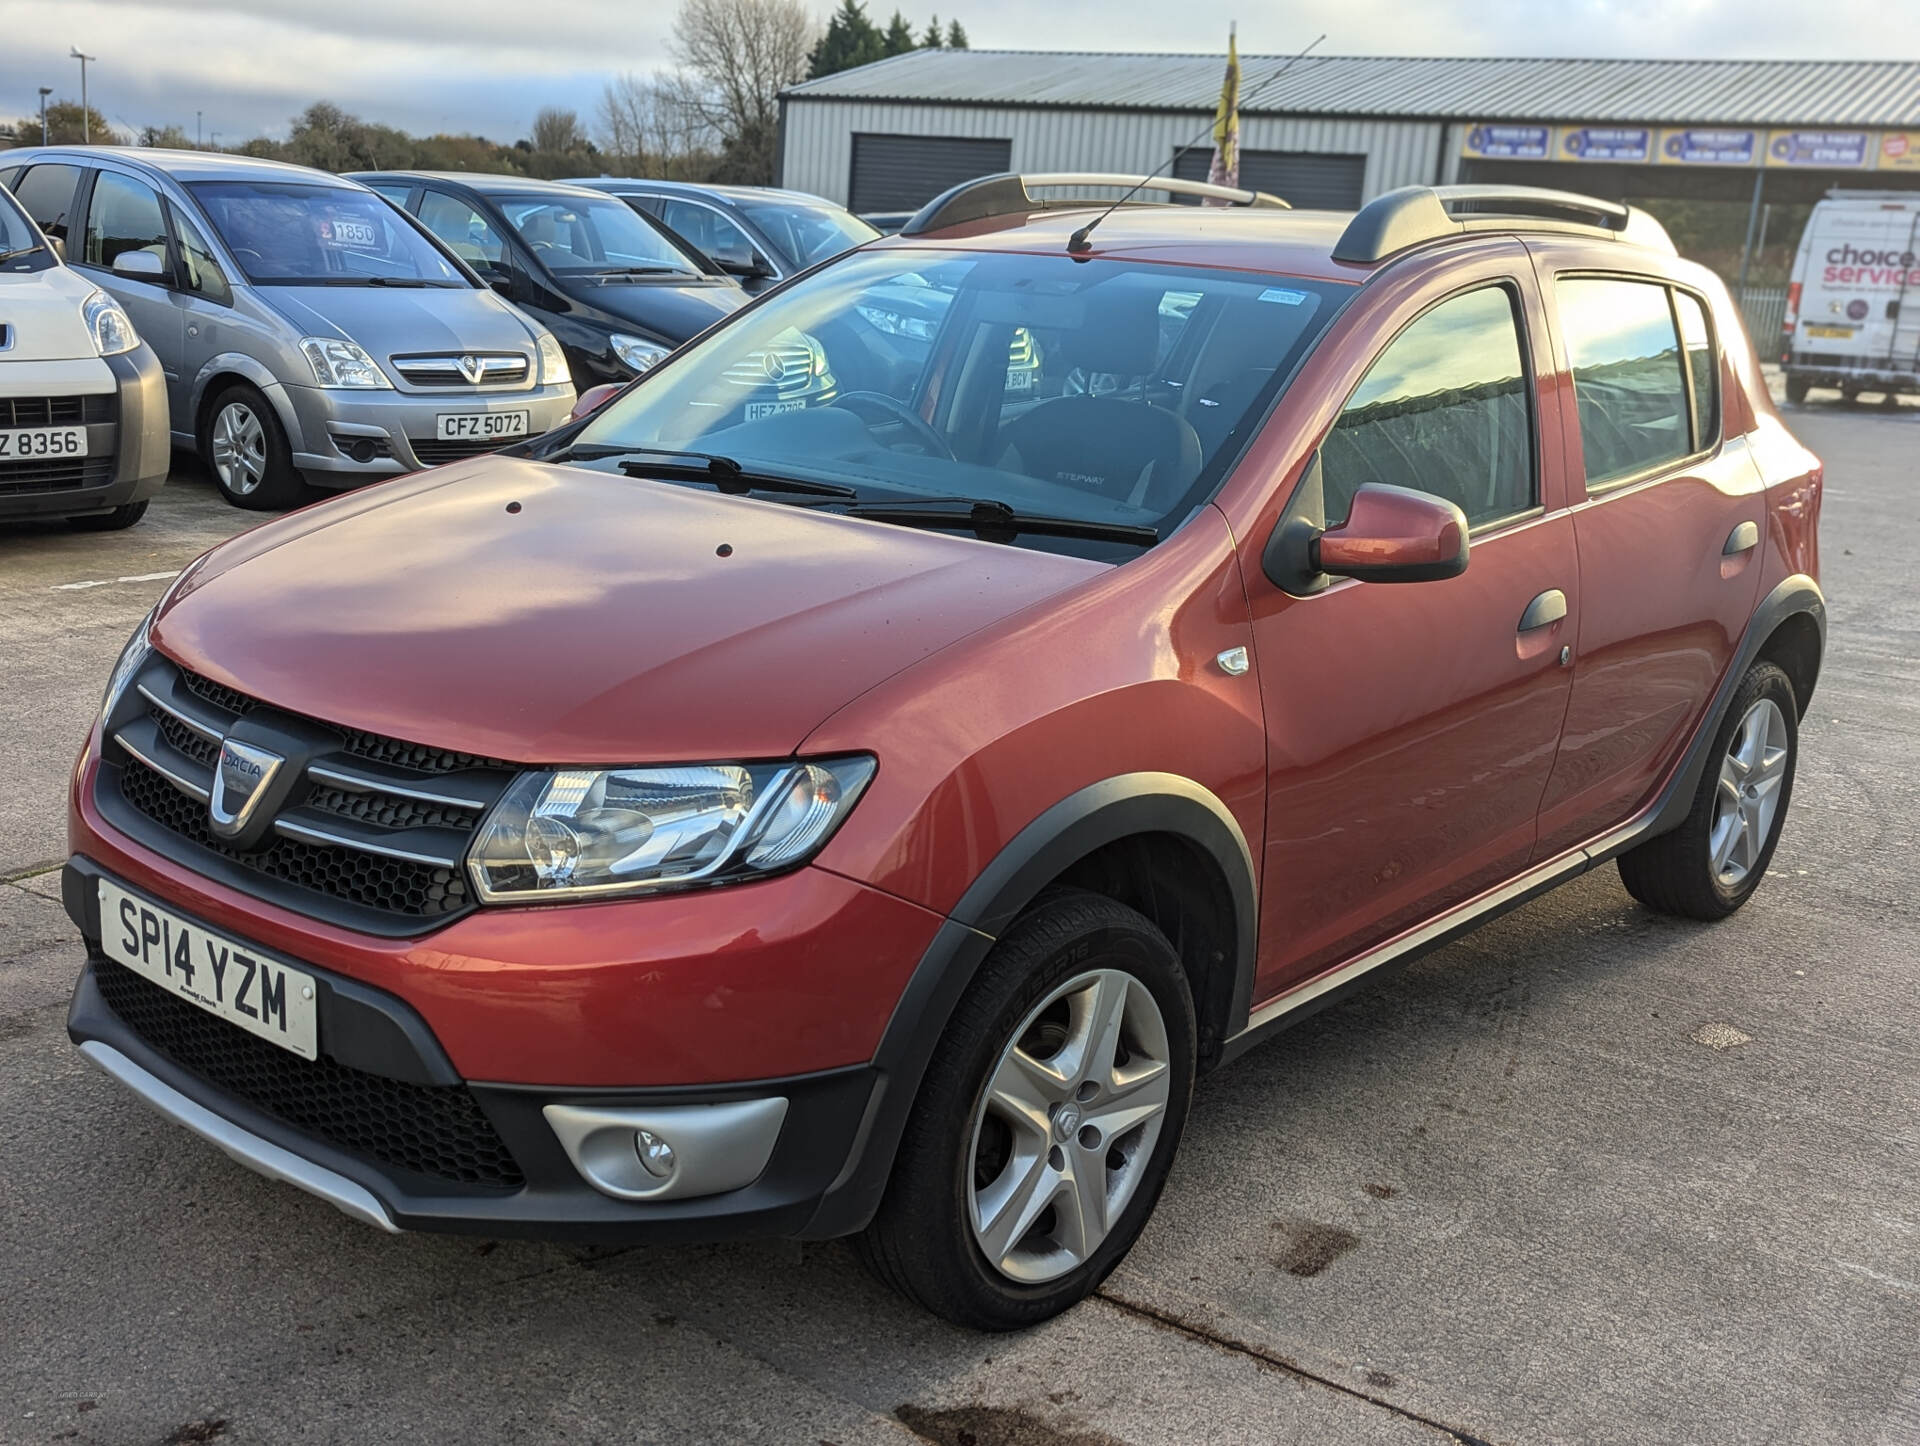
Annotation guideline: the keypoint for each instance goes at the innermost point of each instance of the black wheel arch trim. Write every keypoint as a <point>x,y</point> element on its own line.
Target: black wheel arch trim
<point>1102,813</point>
<point>1795,595</point>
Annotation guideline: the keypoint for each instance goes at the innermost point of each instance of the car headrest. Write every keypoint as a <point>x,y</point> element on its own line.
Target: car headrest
<point>1121,333</point>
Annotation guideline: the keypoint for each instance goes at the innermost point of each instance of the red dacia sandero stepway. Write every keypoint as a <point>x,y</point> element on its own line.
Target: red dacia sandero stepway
<point>861,802</point>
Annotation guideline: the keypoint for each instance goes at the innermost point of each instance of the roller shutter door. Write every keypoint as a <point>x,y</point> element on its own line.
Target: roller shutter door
<point>903,173</point>
<point>1306,179</point>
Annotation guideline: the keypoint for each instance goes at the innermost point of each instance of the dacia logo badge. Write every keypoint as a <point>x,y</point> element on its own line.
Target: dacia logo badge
<point>471,367</point>
<point>240,781</point>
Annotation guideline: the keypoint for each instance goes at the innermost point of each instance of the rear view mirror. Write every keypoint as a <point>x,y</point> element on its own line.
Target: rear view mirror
<point>141,265</point>
<point>594,398</point>
<point>1394,534</point>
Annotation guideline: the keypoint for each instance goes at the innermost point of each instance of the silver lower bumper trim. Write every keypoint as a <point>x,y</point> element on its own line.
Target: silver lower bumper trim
<point>248,1148</point>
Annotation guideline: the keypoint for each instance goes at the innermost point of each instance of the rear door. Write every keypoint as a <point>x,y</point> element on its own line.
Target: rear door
<point>1411,726</point>
<point>1668,527</point>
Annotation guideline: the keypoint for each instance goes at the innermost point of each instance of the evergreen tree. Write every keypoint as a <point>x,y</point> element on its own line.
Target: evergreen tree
<point>934,38</point>
<point>850,39</point>
<point>956,36</point>
<point>899,37</point>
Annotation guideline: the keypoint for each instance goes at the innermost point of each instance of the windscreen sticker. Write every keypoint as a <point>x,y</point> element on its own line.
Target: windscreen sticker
<point>1284,298</point>
<point>341,231</point>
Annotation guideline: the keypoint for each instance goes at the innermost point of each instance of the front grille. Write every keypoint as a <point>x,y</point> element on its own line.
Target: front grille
<point>373,881</point>
<point>431,451</point>
<point>390,810</point>
<point>496,369</point>
<point>55,474</point>
<point>57,411</point>
<point>184,740</point>
<point>785,367</point>
<point>434,1130</point>
<point>227,700</point>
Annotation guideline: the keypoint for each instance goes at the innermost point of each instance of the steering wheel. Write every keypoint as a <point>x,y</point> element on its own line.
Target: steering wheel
<point>893,411</point>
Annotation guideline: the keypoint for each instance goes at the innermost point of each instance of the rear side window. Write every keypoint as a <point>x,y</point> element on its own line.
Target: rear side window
<point>124,216</point>
<point>1634,388</point>
<point>1703,371</point>
<point>46,194</point>
<point>1444,410</point>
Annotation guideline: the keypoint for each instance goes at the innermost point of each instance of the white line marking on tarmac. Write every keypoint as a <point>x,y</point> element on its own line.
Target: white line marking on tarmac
<point>110,581</point>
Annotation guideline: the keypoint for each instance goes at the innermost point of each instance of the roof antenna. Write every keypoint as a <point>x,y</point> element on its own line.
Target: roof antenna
<point>1080,241</point>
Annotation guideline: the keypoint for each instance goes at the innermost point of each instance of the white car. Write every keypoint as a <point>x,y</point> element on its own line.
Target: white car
<point>83,401</point>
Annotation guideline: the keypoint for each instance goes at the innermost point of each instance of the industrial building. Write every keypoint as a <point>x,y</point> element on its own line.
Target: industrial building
<point>1758,137</point>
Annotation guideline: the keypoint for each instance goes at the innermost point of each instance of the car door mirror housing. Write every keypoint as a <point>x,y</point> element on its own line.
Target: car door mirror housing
<point>501,284</point>
<point>140,265</point>
<point>1395,534</point>
<point>594,398</point>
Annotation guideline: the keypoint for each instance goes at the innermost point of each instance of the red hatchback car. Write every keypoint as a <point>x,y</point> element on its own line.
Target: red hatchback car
<point>868,817</point>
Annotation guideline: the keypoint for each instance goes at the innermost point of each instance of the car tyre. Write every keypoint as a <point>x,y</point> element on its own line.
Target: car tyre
<point>1797,388</point>
<point>1056,1097</point>
<point>114,521</point>
<point>246,452</point>
<point>1712,863</point>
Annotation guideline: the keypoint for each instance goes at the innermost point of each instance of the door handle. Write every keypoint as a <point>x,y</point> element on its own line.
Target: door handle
<point>1743,538</point>
<point>1549,607</point>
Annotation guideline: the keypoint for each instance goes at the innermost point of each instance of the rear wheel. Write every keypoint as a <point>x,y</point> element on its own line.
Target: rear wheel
<point>1707,868</point>
<point>1797,389</point>
<point>246,451</point>
<point>114,521</point>
<point>1046,1123</point>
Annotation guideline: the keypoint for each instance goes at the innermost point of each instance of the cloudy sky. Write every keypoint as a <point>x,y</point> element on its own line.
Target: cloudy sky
<point>485,66</point>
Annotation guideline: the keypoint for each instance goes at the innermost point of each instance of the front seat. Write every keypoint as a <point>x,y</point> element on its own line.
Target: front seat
<point>1122,448</point>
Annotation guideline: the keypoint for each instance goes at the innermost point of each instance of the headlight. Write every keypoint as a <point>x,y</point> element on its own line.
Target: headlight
<point>637,352</point>
<point>586,833</point>
<point>894,323</point>
<point>338,363</point>
<point>112,328</point>
<point>131,657</point>
<point>553,361</point>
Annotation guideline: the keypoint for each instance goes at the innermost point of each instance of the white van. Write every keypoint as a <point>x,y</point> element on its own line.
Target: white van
<point>83,401</point>
<point>1853,310</point>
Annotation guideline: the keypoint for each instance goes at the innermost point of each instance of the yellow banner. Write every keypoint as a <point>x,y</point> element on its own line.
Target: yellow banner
<point>1900,151</point>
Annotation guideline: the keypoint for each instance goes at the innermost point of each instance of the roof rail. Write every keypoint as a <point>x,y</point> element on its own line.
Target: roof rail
<point>1415,214</point>
<point>1011,194</point>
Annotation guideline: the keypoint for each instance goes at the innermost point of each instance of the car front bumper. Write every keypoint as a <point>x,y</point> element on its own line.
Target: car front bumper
<point>136,441</point>
<point>336,426</point>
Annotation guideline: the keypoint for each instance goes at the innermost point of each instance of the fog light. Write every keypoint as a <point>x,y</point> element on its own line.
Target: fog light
<point>656,1155</point>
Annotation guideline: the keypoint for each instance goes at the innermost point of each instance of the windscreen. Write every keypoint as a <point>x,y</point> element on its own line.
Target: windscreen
<point>16,231</point>
<point>293,234</point>
<point>810,233</point>
<point>591,235</point>
<point>1108,391</point>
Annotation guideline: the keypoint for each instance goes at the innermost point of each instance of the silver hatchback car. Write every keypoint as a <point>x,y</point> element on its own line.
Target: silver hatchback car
<point>309,331</point>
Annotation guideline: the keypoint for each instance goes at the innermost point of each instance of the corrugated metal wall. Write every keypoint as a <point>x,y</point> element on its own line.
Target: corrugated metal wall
<point>819,139</point>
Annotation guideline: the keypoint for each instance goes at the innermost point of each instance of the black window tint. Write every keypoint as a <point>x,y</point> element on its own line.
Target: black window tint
<point>124,216</point>
<point>204,276</point>
<point>1444,410</point>
<point>1627,378</point>
<point>1697,335</point>
<point>46,194</point>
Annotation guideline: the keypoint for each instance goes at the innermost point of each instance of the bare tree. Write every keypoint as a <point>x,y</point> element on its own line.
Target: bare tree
<point>651,127</point>
<point>558,130</point>
<point>741,53</point>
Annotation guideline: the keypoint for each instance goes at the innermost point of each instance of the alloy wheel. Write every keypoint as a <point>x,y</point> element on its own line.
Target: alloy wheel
<point>1745,805</point>
<point>1066,1125</point>
<point>239,448</point>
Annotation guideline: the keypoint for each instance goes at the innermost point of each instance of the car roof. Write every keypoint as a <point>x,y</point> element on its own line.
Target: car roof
<point>184,165</point>
<point>1286,243</point>
<point>487,183</point>
<point>698,188</point>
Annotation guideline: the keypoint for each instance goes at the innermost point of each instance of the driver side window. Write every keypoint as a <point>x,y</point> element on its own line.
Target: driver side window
<point>464,230</point>
<point>1446,410</point>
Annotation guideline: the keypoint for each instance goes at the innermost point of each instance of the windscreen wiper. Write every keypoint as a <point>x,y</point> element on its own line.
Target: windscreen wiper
<point>614,273</point>
<point>995,521</point>
<point>6,256</point>
<point>411,281</point>
<point>724,473</point>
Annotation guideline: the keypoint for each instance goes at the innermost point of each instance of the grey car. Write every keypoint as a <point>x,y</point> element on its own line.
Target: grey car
<point>308,331</point>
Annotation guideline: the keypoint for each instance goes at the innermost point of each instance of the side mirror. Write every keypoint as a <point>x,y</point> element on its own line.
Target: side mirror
<point>501,284</point>
<point>743,262</point>
<point>140,265</point>
<point>59,247</point>
<point>594,398</point>
<point>1394,534</point>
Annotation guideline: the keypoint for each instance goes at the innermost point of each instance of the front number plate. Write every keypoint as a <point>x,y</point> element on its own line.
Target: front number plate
<point>17,445</point>
<point>262,996</point>
<point>467,426</point>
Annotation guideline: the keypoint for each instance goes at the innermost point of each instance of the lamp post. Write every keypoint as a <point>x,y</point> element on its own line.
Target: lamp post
<point>45,91</point>
<point>198,145</point>
<point>86,117</point>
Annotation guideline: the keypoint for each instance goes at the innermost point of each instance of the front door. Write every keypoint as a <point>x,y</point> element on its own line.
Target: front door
<point>1411,726</point>
<point>124,217</point>
<point>1669,531</point>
